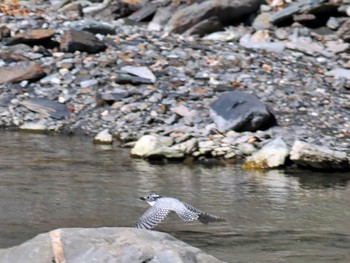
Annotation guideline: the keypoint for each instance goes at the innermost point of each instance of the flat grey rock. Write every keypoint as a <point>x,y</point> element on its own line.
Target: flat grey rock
<point>226,11</point>
<point>47,108</point>
<point>295,8</point>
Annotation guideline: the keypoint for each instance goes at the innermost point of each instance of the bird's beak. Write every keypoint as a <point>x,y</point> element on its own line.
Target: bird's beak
<point>143,198</point>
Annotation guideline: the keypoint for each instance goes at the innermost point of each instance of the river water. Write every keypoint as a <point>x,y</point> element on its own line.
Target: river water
<point>49,182</point>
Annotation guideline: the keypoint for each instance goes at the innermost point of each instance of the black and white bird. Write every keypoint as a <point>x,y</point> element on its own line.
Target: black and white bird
<point>161,206</point>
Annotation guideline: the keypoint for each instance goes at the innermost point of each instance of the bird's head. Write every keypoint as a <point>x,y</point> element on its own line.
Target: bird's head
<point>151,198</point>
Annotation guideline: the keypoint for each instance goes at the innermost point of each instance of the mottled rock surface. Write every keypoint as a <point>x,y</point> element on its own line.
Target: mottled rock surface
<point>76,245</point>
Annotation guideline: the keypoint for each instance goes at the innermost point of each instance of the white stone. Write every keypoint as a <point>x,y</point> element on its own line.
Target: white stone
<point>104,137</point>
<point>205,144</point>
<point>272,154</point>
<point>34,126</point>
<point>339,73</point>
<point>151,145</point>
<point>143,72</point>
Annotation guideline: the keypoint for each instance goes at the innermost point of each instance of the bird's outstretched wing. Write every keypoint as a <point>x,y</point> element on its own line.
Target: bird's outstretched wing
<point>153,216</point>
<point>188,212</point>
<point>201,216</point>
<point>208,218</point>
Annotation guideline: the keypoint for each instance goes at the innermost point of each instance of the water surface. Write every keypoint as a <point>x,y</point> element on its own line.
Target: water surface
<point>48,182</point>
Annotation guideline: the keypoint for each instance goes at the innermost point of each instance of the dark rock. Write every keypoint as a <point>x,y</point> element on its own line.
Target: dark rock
<point>92,26</point>
<point>21,71</point>
<point>80,40</point>
<point>32,37</point>
<point>47,108</point>
<point>143,13</point>
<point>293,9</point>
<point>227,11</point>
<point>104,245</point>
<point>240,111</point>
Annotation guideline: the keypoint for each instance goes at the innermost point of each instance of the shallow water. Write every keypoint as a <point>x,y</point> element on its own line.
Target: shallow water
<point>48,182</point>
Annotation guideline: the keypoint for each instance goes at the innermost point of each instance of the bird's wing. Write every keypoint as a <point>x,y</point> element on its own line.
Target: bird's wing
<point>201,216</point>
<point>151,217</point>
<point>188,212</point>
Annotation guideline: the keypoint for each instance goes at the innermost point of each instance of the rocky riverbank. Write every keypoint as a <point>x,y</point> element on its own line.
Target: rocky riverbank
<point>283,70</point>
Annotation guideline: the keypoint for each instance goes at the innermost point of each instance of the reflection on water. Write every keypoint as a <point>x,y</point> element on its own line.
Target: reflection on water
<point>48,182</point>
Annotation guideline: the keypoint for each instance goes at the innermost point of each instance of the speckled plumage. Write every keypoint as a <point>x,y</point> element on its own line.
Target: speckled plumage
<point>161,206</point>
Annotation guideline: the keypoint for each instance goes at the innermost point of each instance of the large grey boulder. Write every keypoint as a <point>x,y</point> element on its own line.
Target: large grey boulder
<point>228,11</point>
<point>129,245</point>
<point>240,111</point>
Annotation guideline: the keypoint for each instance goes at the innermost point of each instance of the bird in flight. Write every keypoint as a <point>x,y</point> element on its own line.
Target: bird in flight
<point>161,206</point>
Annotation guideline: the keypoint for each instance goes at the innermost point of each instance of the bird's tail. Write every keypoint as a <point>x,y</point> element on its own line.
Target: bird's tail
<point>207,218</point>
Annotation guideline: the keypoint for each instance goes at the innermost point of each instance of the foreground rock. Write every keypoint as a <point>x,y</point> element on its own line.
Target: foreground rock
<point>317,157</point>
<point>76,245</point>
